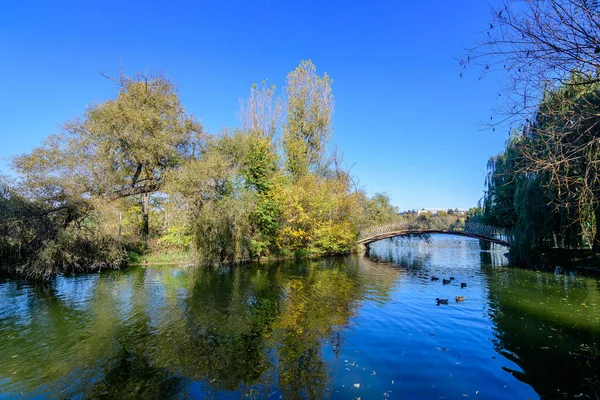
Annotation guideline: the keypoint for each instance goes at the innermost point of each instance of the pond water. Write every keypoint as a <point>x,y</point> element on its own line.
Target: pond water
<point>344,327</point>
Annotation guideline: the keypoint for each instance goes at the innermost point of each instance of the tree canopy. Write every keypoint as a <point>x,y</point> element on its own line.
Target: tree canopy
<point>544,185</point>
<point>137,172</point>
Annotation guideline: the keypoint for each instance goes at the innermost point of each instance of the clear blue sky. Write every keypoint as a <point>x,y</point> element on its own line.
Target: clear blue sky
<point>405,120</point>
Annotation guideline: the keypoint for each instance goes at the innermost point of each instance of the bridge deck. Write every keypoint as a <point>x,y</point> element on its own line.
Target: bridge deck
<point>370,239</point>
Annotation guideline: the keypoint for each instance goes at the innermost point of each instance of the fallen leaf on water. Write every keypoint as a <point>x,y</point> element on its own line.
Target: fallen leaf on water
<point>357,385</point>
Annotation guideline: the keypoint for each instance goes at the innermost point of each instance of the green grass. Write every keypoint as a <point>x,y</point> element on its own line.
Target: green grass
<point>161,257</point>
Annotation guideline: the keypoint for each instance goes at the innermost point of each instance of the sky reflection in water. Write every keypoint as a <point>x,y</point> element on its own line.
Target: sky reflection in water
<point>340,328</point>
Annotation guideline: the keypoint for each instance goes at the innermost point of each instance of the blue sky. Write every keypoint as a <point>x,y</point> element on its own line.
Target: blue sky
<point>405,121</point>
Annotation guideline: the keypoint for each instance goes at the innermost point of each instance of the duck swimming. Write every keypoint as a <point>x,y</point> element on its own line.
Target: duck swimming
<point>446,281</point>
<point>463,285</point>
<point>451,278</point>
<point>459,298</point>
<point>435,278</point>
<point>441,301</point>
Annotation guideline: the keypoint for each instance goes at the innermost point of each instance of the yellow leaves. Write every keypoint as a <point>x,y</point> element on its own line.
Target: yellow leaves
<point>315,305</point>
<point>319,215</point>
<point>294,233</point>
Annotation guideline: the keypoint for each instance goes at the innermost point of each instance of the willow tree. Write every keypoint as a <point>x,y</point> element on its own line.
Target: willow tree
<point>550,56</point>
<point>545,184</point>
<point>309,108</point>
<point>563,147</point>
<point>120,148</point>
<point>501,184</point>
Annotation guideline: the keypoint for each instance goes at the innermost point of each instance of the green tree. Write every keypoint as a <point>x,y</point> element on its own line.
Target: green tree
<point>261,113</point>
<point>544,185</point>
<point>563,148</point>
<point>501,184</point>
<point>379,210</point>
<point>309,107</point>
<point>39,238</point>
<point>119,148</point>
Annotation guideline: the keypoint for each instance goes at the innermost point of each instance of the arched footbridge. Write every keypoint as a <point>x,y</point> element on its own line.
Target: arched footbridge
<point>419,227</point>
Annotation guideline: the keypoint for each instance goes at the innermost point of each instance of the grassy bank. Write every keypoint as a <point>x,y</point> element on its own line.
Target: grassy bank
<point>179,257</point>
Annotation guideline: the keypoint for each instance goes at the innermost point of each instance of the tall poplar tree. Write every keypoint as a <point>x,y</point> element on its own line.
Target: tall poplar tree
<point>309,106</point>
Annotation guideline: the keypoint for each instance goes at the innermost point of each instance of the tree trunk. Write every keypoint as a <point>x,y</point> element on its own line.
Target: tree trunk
<point>596,244</point>
<point>166,223</point>
<point>145,216</point>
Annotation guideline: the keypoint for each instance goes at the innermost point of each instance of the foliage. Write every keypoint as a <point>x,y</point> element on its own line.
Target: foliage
<point>74,251</point>
<point>309,109</point>
<point>320,215</point>
<point>501,183</point>
<point>177,237</point>
<point>379,210</point>
<point>222,230</point>
<point>120,148</point>
<point>261,175</point>
<point>475,214</point>
<point>136,173</point>
<point>39,239</point>
<point>545,184</point>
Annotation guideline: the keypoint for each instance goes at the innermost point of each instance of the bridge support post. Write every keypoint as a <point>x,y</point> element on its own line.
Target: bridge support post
<point>366,248</point>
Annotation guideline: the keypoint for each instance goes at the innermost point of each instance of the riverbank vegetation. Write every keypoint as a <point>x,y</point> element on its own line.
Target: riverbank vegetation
<point>137,173</point>
<point>544,186</point>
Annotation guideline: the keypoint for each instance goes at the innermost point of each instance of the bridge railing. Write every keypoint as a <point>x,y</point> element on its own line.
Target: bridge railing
<point>477,228</point>
<point>449,223</point>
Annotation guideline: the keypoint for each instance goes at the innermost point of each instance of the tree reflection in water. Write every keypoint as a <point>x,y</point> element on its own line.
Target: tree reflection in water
<point>275,330</point>
<point>163,332</point>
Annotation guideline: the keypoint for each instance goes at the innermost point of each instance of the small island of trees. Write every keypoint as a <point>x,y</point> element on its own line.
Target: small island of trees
<point>138,174</point>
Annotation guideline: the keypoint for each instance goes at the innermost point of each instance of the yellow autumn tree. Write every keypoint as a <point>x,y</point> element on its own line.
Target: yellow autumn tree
<point>319,215</point>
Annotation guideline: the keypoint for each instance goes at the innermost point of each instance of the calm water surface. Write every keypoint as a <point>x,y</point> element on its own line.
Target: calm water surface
<point>343,328</point>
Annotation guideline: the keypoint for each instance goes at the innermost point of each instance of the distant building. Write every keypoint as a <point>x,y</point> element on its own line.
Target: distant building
<point>408,212</point>
<point>437,210</point>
